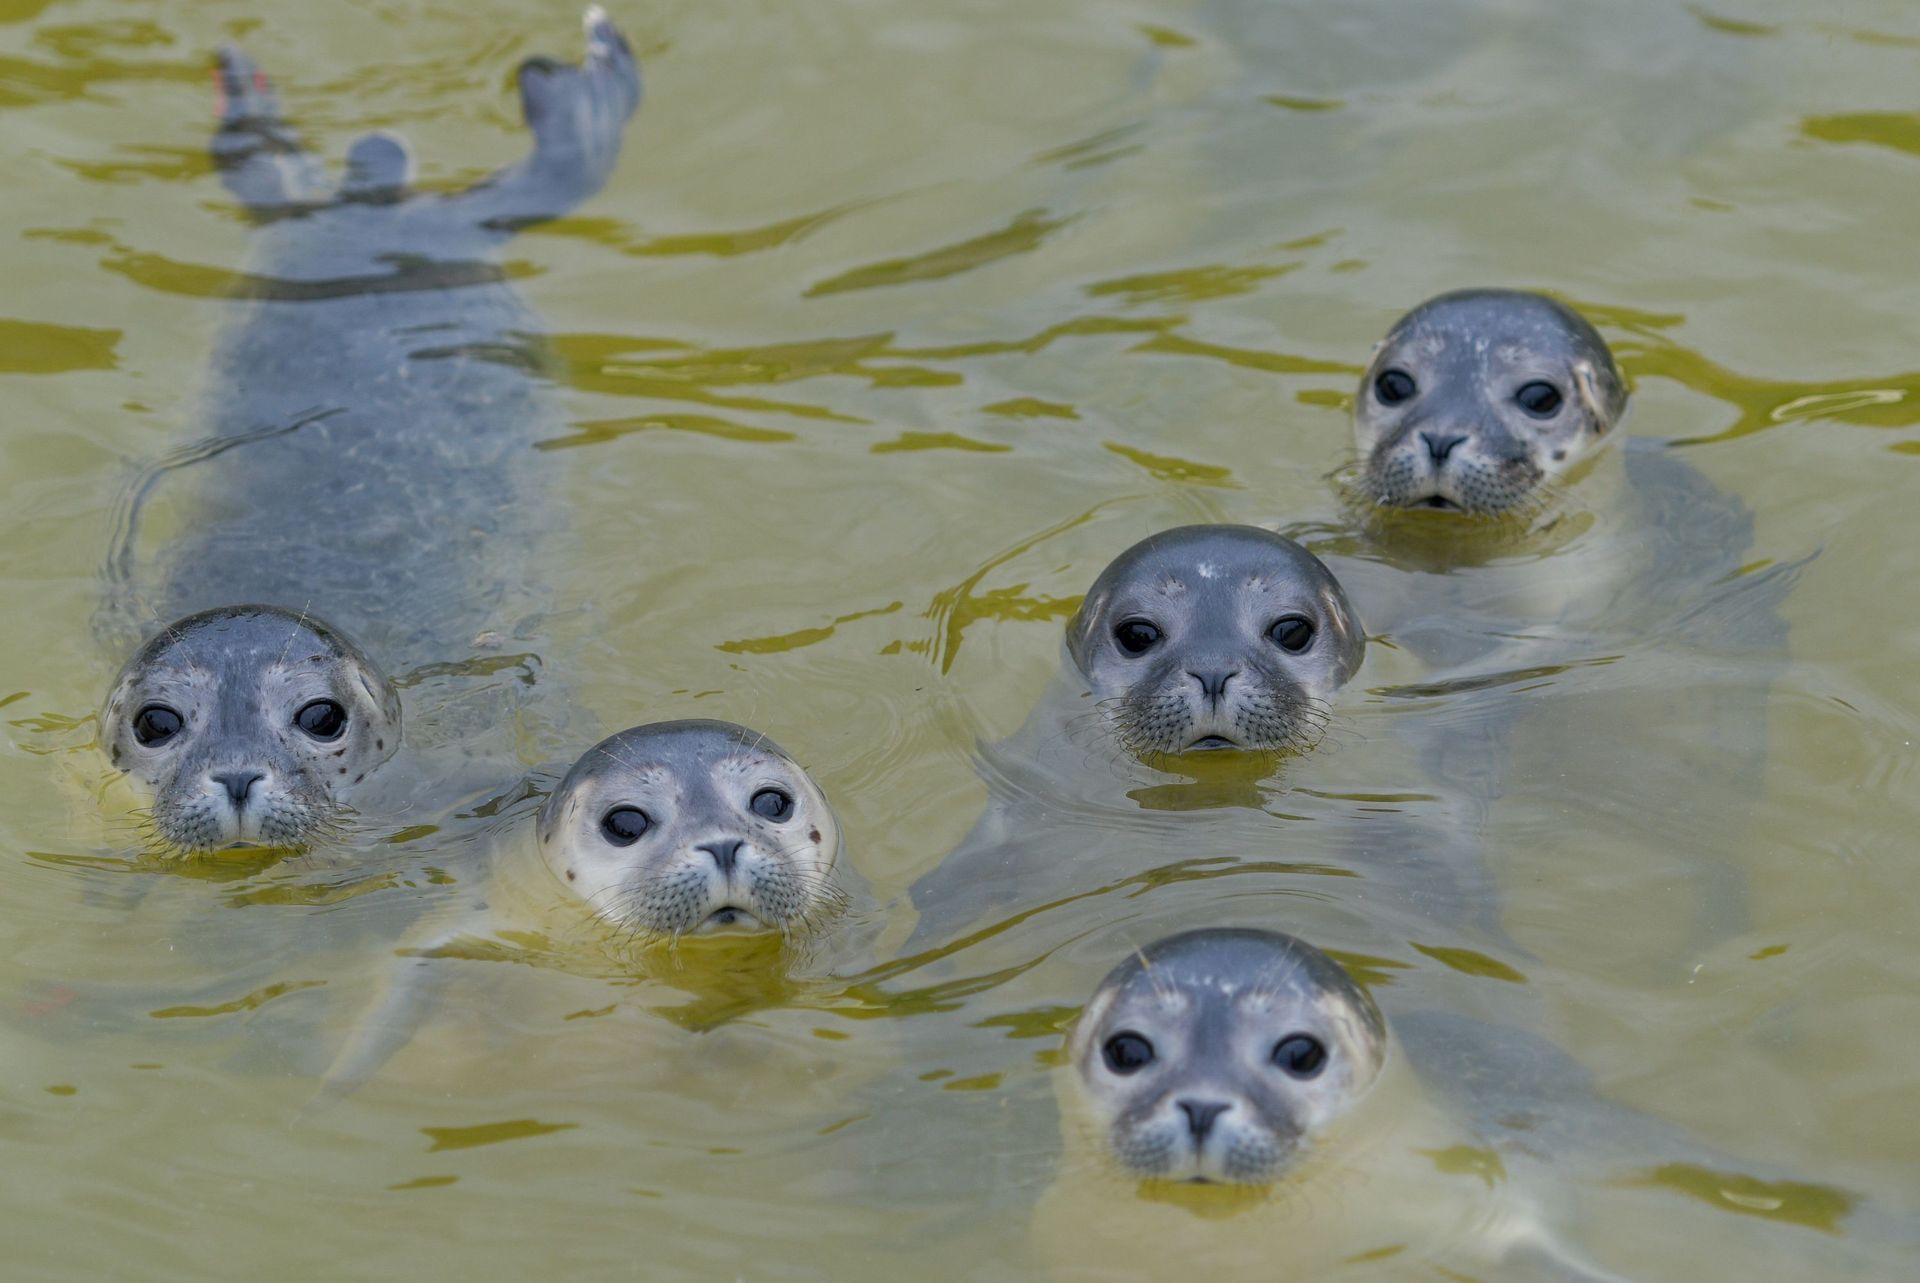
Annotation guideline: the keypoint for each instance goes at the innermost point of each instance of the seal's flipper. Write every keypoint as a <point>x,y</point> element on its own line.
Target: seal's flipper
<point>389,1026</point>
<point>259,157</point>
<point>379,168</point>
<point>577,115</point>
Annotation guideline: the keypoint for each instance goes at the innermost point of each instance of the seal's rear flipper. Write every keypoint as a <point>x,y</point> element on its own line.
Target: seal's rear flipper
<point>379,168</point>
<point>577,115</point>
<point>259,157</point>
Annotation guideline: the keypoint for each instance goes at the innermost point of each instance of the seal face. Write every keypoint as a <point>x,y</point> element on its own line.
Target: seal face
<point>1479,400</point>
<point>1206,637</point>
<point>1219,1055</point>
<point>693,827</point>
<point>245,722</point>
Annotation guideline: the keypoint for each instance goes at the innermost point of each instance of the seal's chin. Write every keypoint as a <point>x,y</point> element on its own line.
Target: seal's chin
<point>730,919</point>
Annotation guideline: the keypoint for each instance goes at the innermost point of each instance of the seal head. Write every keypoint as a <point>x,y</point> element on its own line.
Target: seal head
<point>1219,1055</point>
<point>245,722</point>
<point>693,827</point>
<point>1479,400</point>
<point>1216,637</point>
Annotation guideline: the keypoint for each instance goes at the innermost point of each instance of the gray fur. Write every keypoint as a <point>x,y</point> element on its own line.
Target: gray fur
<point>1212,593</point>
<point>707,860</point>
<point>370,409</point>
<point>1461,439</point>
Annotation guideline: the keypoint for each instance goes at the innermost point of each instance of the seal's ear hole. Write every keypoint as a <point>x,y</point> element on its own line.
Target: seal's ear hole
<point>1588,385</point>
<point>569,875</point>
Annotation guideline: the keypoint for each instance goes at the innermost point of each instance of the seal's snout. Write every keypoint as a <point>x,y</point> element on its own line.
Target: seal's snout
<point>238,785</point>
<point>1201,1115</point>
<point>1441,444</point>
<point>725,853</point>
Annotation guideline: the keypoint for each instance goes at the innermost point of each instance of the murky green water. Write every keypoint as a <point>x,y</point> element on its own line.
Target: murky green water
<point>898,320</point>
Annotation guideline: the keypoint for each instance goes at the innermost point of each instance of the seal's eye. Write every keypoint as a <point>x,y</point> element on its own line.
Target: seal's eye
<point>1136,636</point>
<point>323,719</point>
<point>1300,1056</point>
<point>1292,633</point>
<point>1394,386</point>
<point>772,804</point>
<point>623,825</point>
<point>1127,1053</point>
<point>1541,400</point>
<point>155,724</point>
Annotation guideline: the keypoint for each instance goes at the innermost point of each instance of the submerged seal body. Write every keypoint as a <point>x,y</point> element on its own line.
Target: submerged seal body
<point>664,831</point>
<point>1207,651</point>
<point>1248,1059</point>
<point>370,409</point>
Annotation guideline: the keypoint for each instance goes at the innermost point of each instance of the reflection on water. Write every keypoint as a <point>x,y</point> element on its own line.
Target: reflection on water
<point>895,324</point>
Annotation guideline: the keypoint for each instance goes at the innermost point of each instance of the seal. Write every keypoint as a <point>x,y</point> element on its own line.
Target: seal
<point>243,721</point>
<point>670,830</point>
<point>1482,401</point>
<point>1220,1055</point>
<point>693,827</point>
<point>1552,548</point>
<point>1215,637</point>
<point>1266,1113</point>
<point>371,406</point>
<point>1204,651</point>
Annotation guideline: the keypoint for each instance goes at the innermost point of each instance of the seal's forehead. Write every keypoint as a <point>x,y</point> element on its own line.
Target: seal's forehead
<point>1500,326</point>
<point>223,639</point>
<point>1199,557</point>
<point>694,746</point>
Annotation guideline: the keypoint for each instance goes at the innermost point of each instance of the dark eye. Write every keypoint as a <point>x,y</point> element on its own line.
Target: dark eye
<point>1394,386</point>
<point>772,804</point>
<point>1300,1056</point>
<point>623,825</point>
<point>1541,400</point>
<point>1292,633</point>
<point>1136,636</point>
<point>155,724</point>
<point>1127,1053</point>
<point>323,719</point>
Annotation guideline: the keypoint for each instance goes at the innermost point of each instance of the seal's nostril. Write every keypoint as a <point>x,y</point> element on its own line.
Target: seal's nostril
<point>724,853</point>
<point>1201,1115</point>
<point>1214,684</point>
<point>237,784</point>
<point>1439,445</point>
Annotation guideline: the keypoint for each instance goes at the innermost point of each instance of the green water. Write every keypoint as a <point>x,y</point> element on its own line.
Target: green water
<point>897,321</point>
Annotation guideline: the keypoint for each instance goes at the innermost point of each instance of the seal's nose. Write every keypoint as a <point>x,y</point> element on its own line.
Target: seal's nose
<point>237,784</point>
<point>724,853</point>
<point>1213,682</point>
<point>1440,445</point>
<point>1201,1115</point>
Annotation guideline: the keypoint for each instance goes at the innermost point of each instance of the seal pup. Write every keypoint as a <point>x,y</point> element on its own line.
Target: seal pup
<point>364,489</point>
<point>662,832</point>
<point>1483,402</point>
<point>1247,1104</point>
<point>1209,637</point>
<point>1506,541</point>
<point>1206,652</point>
